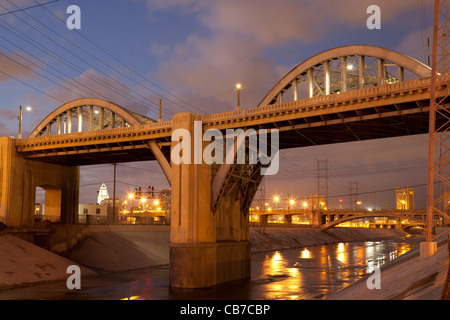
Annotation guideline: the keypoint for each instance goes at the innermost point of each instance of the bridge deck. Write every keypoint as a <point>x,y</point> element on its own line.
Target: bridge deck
<point>372,113</point>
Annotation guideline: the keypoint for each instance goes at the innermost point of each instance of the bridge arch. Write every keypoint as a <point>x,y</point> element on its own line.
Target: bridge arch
<point>343,69</point>
<point>90,114</point>
<point>369,215</point>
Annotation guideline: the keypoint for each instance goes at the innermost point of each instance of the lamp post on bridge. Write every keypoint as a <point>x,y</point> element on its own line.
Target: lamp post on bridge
<point>238,90</point>
<point>20,118</point>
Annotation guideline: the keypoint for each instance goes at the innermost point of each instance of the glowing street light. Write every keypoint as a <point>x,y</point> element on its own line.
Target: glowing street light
<point>238,90</point>
<point>290,203</point>
<point>276,199</point>
<point>20,118</point>
<point>131,197</point>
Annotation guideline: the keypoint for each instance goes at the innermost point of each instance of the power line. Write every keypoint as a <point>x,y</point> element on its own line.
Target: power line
<point>61,59</point>
<point>27,8</point>
<point>117,60</point>
<point>38,73</point>
<point>8,75</point>
<point>381,190</point>
<point>78,57</point>
<point>135,72</point>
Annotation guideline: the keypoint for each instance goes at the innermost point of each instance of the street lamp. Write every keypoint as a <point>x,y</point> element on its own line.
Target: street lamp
<point>131,197</point>
<point>276,199</point>
<point>20,118</point>
<point>143,200</point>
<point>291,203</point>
<point>238,90</point>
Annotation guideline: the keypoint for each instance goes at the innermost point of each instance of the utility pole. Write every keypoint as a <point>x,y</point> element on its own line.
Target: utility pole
<point>353,194</point>
<point>322,180</point>
<point>114,195</point>
<point>20,122</point>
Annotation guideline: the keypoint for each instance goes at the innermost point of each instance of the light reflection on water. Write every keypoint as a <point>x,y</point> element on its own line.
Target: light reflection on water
<point>314,272</point>
<point>319,271</point>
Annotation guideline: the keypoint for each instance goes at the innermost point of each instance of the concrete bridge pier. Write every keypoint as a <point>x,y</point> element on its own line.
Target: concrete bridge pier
<point>206,247</point>
<point>19,179</point>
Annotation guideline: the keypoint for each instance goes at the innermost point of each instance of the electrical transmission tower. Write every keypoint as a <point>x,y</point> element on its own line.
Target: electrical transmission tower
<point>260,196</point>
<point>353,194</point>
<point>438,130</point>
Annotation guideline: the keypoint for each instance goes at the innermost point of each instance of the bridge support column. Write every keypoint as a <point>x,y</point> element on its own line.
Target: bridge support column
<point>18,181</point>
<point>206,248</point>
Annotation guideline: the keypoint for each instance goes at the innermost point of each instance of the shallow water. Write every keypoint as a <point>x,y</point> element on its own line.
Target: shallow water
<point>314,272</point>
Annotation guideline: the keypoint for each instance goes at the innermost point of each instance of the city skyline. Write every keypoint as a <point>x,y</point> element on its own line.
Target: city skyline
<point>191,54</point>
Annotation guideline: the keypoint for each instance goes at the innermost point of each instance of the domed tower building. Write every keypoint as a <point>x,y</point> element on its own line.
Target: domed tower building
<point>102,194</point>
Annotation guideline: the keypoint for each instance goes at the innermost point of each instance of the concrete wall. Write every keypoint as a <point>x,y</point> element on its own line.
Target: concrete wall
<point>18,181</point>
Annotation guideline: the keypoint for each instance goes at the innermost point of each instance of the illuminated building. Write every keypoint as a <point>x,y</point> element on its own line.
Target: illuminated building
<point>405,198</point>
<point>102,194</point>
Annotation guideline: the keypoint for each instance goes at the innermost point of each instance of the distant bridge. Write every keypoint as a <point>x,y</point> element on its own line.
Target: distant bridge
<point>332,217</point>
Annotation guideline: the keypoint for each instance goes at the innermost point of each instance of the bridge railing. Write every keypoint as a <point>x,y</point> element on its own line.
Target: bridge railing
<point>299,105</point>
<point>167,125</point>
<point>359,94</point>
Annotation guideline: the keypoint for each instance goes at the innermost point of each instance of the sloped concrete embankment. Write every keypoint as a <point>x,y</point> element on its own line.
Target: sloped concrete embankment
<point>121,251</point>
<point>407,278</point>
<point>23,263</point>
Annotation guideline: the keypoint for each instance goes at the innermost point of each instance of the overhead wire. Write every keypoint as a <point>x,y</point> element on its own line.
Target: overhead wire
<point>78,57</point>
<point>27,8</point>
<point>64,61</point>
<point>129,68</point>
<point>40,74</point>
<point>32,87</point>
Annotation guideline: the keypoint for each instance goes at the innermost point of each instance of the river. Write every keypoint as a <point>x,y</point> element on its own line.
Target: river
<point>314,272</point>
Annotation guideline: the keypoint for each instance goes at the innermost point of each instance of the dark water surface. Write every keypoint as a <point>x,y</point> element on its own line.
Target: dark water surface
<point>314,272</point>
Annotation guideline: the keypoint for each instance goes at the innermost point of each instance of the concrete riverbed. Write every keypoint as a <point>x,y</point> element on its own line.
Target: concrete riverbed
<point>22,263</point>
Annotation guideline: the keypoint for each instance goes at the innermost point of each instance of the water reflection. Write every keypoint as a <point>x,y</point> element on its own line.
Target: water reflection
<point>305,254</point>
<point>306,273</point>
<point>319,271</point>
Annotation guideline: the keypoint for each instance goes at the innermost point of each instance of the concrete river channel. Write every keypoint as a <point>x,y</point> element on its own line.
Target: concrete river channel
<point>314,272</point>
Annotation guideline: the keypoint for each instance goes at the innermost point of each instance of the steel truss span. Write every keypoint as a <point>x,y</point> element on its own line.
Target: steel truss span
<point>344,69</point>
<point>88,114</point>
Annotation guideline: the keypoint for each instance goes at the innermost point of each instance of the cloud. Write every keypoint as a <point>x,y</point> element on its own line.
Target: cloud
<point>7,117</point>
<point>6,114</point>
<point>14,65</point>
<point>92,84</point>
<point>236,36</point>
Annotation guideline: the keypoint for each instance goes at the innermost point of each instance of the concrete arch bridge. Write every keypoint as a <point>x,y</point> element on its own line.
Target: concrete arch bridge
<point>350,93</point>
<point>336,217</point>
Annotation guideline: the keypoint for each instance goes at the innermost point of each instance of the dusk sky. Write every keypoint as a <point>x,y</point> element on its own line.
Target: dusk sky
<point>191,54</point>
